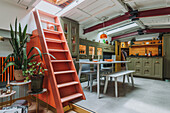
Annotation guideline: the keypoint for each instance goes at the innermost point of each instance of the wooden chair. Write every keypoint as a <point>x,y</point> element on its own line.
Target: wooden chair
<point>86,70</point>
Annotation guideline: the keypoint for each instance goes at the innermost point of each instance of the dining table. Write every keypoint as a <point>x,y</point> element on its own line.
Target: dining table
<point>98,63</point>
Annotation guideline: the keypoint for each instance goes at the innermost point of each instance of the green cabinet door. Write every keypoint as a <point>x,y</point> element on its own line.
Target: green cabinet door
<point>74,39</point>
<point>166,46</point>
<point>130,64</point>
<point>157,67</point>
<point>138,66</point>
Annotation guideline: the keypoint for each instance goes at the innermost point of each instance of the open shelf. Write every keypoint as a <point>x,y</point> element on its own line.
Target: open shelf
<point>71,97</point>
<point>67,84</point>
<point>147,45</point>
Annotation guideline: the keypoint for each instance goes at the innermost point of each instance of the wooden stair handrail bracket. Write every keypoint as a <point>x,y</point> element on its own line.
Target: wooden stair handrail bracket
<point>64,82</point>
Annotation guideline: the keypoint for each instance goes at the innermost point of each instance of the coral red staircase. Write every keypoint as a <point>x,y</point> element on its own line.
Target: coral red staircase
<point>63,77</point>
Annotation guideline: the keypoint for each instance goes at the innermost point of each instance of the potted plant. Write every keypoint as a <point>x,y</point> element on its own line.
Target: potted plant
<point>36,71</point>
<point>18,42</point>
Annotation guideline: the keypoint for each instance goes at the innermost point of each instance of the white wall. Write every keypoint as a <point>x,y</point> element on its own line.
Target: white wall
<point>8,13</point>
<point>5,48</point>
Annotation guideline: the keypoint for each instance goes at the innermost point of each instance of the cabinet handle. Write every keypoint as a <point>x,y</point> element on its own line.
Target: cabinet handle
<point>147,70</point>
<point>157,62</point>
<point>146,62</point>
<point>137,69</point>
<point>138,62</point>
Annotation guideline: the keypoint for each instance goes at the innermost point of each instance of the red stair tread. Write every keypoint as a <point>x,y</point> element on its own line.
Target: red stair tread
<point>71,97</point>
<point>67,84</point>
<point>54,40</point>
<point>60,61</point>
<point>57,50</point>
<point>64,72</point>
<point>48,22</point>
<point>52,31</point>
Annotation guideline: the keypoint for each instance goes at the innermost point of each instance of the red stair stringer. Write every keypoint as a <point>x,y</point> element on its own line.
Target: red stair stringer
<point>51,74</point>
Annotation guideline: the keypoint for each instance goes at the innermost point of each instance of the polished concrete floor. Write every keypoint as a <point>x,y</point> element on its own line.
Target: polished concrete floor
<point>148,96</point>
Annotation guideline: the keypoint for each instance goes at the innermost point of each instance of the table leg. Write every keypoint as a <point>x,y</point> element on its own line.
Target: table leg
<point>106,84</point>
<point>37,106</point>
<point>123,79</point>
<point>80,68</point>
<point>91,80</point>
<point>98,81</point>
<point>11,95</point>
<point>1,102</point>
<point>132,79</point>
<point>6,101</point>
<point>29,96</point>
<point>116,89</point>
<point>128,78</point>
<point>47,100</point>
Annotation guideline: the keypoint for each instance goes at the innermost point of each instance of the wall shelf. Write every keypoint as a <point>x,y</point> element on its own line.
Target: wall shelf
<point>147,45</point>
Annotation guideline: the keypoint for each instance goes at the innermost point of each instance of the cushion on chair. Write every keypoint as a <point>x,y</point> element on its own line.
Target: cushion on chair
<point>20,103</point>
<point>17,109</point>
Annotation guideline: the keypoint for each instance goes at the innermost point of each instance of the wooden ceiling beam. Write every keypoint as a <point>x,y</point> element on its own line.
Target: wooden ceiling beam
<point>141,14</point>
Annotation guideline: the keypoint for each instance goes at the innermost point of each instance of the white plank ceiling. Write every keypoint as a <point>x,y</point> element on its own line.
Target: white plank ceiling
<point>92,12</point>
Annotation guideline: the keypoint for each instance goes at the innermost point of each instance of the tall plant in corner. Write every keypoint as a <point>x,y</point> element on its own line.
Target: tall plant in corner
<point>18,42</point>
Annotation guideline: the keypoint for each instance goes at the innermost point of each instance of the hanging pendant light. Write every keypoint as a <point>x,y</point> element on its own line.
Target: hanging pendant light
<point>103,35</point>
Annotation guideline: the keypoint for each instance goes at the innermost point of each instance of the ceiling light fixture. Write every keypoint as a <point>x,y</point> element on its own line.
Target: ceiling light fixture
<point>128,26</point>
<point>103,35</point>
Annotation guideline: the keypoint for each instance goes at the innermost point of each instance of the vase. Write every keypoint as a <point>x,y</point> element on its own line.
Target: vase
<point>18,75</point>
<point>37,83</point>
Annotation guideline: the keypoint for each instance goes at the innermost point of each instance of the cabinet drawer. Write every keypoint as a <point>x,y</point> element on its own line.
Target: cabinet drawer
<point>147,62</point>
<point>138,71</point>
<point>147,72</point>
<point>138,62</point>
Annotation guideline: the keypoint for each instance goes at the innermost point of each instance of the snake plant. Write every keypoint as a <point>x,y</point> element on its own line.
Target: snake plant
<point>18,42</point>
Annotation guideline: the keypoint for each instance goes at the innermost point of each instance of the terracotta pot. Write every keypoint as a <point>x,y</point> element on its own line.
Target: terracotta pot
<point>18,75</point>
<point>37,83</point>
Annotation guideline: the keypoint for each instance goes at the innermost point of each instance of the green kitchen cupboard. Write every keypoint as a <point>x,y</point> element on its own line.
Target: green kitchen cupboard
<point>71,31</point>
<point>157,67</point>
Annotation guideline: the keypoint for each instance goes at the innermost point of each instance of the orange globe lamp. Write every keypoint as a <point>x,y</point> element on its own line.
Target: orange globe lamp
<point>103,36</point>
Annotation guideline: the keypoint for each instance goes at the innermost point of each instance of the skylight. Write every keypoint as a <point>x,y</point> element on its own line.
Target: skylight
<point>127,26</point>
<point>61,3</point>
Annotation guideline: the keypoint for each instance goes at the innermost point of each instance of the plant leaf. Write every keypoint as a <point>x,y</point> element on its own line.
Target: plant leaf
<point>24,59</point>
<point>15,27</point>
<point>20,33</point>
<point>7,58</point>
<point>24,33</point>
<point>9,64</point>
<point>49,54</point>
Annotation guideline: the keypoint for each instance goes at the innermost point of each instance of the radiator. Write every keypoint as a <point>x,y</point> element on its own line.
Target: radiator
<point>9,70</point>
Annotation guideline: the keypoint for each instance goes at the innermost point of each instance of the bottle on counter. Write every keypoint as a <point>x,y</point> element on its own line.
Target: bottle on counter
<point>150,53</point>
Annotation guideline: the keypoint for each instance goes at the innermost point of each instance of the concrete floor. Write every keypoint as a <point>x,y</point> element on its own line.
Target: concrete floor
<point>148,96</point>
